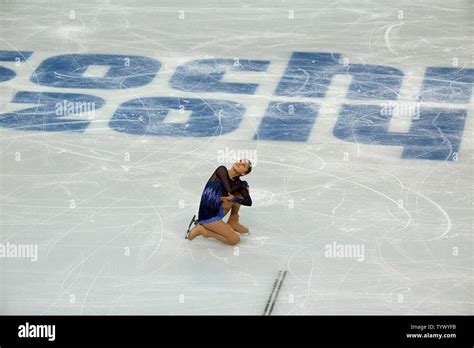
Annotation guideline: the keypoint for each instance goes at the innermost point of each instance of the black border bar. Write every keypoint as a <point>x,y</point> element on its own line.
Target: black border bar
<point>240,330</point>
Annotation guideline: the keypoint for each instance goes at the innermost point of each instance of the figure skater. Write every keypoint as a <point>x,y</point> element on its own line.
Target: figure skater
<point>223,192</point>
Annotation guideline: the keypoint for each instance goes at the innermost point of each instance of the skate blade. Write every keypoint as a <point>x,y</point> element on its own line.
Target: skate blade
<point>189,227</point>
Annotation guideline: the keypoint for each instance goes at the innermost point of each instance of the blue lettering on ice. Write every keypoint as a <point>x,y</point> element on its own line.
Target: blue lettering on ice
<point>449,85</point>
<point>309,75</point>
<point>205,75</point>
<point>147,116</point>
<point>435,134</point>
<point>11,56</point>
<point>48,114</point>
<point>66,71</point>
<point>287,121</point>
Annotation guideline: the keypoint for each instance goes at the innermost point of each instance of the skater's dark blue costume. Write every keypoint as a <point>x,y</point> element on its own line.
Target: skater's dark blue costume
<point>220,185</point>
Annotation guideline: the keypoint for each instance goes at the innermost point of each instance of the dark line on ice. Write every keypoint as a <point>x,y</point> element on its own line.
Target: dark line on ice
<point>278,291</point>
<point>271,294</point>
<point>274,295</point>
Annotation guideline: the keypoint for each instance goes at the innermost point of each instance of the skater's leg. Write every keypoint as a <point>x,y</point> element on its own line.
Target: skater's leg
<point>233,207</point>
<point>198,230</point>
<point>222,231</point>
<point>209,233</point>
<point>227,206</point>
<point>233,220</point>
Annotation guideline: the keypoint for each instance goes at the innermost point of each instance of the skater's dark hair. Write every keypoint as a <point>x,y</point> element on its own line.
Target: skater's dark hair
<point>250,167</point>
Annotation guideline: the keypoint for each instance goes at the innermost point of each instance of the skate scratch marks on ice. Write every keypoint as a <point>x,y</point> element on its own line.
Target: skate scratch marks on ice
<point>387,38</point>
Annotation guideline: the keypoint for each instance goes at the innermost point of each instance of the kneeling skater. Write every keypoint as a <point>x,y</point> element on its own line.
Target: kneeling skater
<point>223,192</point>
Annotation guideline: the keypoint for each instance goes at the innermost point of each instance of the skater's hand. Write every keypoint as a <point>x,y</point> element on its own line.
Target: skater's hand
<point>227,198</point>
